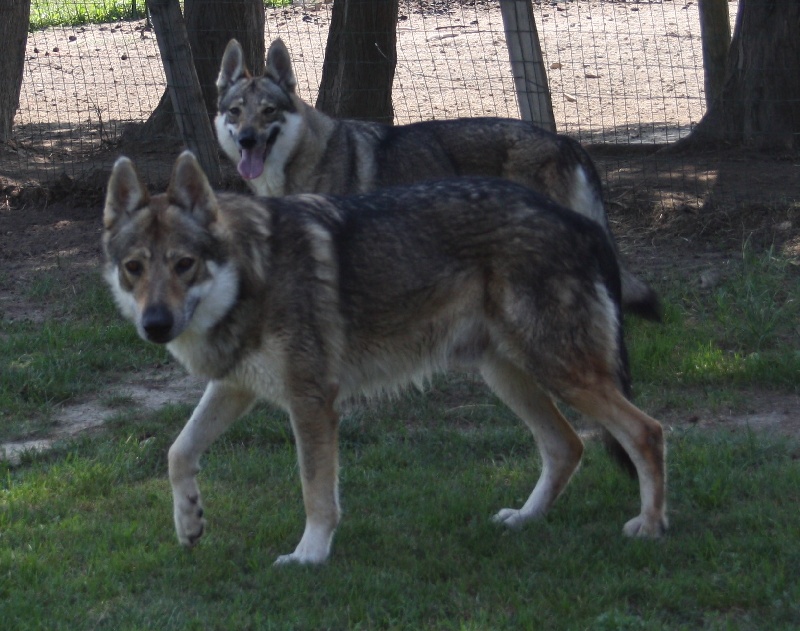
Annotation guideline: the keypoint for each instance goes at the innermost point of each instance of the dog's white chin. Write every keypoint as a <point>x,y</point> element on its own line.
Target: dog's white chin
<point>206,304</point>
<point>209,301</point>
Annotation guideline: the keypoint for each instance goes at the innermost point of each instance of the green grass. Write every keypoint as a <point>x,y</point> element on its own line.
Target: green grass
<point>741,334</point>
<point>46,13</point>
<point>80,347</point>
<point>87,536</point>
<point>87,540</point>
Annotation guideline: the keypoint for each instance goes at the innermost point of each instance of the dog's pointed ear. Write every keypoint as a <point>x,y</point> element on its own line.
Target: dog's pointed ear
<point>190,189</point>
<point>279,66</point>
<point>125,193</point>
<point>232,67</point>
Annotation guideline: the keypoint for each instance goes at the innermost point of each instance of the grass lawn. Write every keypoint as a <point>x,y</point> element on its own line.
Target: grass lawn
<point>87,540</point>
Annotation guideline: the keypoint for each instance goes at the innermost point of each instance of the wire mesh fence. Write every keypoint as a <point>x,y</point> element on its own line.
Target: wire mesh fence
<point>620,73</point>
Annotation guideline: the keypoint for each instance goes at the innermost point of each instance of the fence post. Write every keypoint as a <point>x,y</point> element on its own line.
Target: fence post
<point>527,63</point>
<point>184,86</point>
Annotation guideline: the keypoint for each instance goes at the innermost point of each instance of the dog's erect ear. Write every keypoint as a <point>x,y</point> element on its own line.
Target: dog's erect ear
<point>125,193</point>
<point>279,66</point>
<point>190,189</point>
<point>232,67</point>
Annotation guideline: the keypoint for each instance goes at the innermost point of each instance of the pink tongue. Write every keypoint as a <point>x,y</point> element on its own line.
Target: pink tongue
<point>251,165</point>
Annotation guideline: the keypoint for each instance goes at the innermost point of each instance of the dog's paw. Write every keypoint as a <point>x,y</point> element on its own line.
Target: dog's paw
<point>296,558</point>
<point>510,518</point>
<point>314,548</point>
<point>647,527</point>
<point>189,522</point>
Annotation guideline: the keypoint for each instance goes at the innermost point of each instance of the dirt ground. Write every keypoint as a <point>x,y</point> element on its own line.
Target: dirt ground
<point>675,216</point>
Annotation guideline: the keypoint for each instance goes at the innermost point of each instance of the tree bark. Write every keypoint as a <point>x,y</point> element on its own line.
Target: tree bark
<point>184,87</point>
<point>360,60</point>
<point>14,35</point>
<point>715,31</point>
<point>759,106</point>
<point>210,24</point>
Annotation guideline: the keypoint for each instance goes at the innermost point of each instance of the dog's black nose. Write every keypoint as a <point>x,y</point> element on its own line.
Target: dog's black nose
<point>157,323</point>
<point>247,138</point>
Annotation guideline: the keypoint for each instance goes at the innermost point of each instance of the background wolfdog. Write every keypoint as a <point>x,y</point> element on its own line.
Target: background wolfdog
<point>281,145</point>
<point>308,300</point>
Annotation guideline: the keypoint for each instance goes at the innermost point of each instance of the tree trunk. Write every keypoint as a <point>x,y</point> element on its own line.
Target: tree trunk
<point>715,31</point>
<point>184,87</point>
<point>759,106</point>
<point>14,35</point>
<point>360,60</point>
<point>210,24</point>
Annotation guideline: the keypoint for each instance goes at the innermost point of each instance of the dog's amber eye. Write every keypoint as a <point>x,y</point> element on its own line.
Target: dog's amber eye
<point>235,111</point>
<point>134,268</point>
<point>184,265</point>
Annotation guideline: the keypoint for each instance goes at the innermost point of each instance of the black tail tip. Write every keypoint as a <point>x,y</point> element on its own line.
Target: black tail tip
<point>647,307</point>
<point>638,297</point>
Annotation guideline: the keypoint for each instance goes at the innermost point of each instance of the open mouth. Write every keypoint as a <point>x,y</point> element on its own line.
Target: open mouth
<point>252,162</point>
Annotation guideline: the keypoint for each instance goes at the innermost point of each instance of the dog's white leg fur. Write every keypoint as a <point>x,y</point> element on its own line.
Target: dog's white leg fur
<point>316,430</point>
<point>219,407</point>
<point>560,447</point>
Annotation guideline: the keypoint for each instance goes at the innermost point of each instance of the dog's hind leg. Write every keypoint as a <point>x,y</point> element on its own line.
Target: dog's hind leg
<point>560,447</point>
<point>643,438</point>
<point>220,406</point>
<point>316,430</point>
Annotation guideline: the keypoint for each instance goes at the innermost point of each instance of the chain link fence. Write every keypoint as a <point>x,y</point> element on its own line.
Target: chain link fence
<point>622,74</point>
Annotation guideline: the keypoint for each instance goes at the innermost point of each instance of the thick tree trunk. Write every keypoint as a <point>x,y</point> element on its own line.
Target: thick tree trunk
<point>14,35</point>
<point>360,60</point>
<point>183,86</point>
<point>759,106</point>
<point>210,24</point>
<point>715,30</point>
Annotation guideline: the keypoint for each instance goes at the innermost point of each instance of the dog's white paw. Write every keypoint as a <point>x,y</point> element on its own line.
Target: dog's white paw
<point>314,548</point>
<point>510,518</point>
<point>303,557</point>
<point>189,522</point>
<point>647,527</point>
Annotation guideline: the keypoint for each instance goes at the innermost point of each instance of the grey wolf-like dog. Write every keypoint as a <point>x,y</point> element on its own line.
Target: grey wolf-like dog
<point>282,146</point>
<point>307,301</point>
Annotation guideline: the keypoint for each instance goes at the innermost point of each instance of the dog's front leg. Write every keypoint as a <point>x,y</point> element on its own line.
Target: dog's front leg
<point>220,406</point>
<point>316,429</point>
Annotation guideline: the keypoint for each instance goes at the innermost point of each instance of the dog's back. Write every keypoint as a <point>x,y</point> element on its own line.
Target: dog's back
<point>284,146</point>
<point>423,276</point>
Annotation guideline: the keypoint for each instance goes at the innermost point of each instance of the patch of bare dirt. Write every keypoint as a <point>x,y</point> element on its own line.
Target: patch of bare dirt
<point>146,394</point>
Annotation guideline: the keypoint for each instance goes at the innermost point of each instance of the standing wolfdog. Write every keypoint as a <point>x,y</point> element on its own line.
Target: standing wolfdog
<point>283,146</point>
<point>308,300</point>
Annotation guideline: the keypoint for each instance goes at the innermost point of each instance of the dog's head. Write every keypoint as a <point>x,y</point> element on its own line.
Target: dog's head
<point>165,262</point>
<point>253,111</point>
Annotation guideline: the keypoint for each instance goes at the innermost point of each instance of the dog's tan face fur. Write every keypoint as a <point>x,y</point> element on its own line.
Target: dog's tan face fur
<point>162,267</point>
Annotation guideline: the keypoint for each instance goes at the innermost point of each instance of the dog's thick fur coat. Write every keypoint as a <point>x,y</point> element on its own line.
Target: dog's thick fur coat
<point>307,301</point>
<point>282,146</point>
